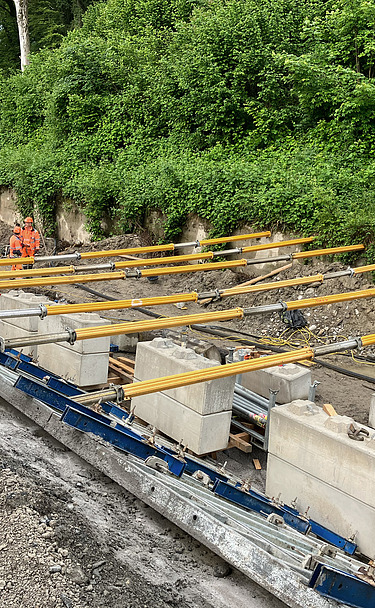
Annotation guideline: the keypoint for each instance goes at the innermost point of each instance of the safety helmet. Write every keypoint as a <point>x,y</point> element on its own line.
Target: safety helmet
<point>29,219</point>
<point>17,230</point>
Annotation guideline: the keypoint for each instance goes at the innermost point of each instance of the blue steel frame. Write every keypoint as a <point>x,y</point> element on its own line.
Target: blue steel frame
<point>342,587</point>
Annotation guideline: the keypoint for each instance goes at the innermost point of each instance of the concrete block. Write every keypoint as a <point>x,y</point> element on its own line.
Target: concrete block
<point>371,418</point>
<point>58,323</point>
<point>162,357</point>
<point>292,381</point>
<point>82,369</point>
<point>324,452</point>
<point>18,300</point>
<point>201,434</point>
<point>8,331</point>
<point>311,456</point>
<point>126,343</point>
<point>328,505</point>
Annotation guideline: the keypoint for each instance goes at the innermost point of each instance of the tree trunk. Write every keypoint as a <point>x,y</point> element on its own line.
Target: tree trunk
<point>23,31</point>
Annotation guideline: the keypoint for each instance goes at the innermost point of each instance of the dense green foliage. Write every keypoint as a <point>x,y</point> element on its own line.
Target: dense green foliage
<point>237,110</point>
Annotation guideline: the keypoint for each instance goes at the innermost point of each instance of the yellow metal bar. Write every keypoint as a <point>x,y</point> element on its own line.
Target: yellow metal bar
<point>329,251</point>
<point>360,269</point>
<point>11,261</point>
<point>63,309</point>
<point>173,259</point>
<point>368,340</point>
<point>84,278</point>
<point>230,239</point>
<point>277,244</point>
<point>333,299</point>
<point>220,371</point>
<point>152,272</point>
<point>139,326</point>
<point>36,272</point>
<point>129,251</point>
<point>234,291</point>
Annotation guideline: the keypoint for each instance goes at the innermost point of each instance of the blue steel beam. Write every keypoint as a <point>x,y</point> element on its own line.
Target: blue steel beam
<point>256,502</point>
<point>120,439</point>
<point>342,587</point>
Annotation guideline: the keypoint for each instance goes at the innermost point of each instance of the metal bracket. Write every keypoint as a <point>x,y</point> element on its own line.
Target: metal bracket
<point>157,464</point>
<point>202,477</point>
<point>78,255</point>
<point>2,345</point>
<point>357,433</point>
<point>284,306</point>
<point>351,271</point>
<point>120,395</point>
<point>72,335</point>
<point>43,311</point>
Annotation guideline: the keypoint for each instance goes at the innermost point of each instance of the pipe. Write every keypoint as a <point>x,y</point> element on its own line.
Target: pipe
<point>153,272</point>
<point>176,259</point>
<point>11,261</point>
<point>230,239</point>
<point>221,371</point>
<point>184,297</point>
<point>152,325</point>
<point>329,251</point>
<point>23,283</point>
<point>36,272</point>
<point>277,244</point>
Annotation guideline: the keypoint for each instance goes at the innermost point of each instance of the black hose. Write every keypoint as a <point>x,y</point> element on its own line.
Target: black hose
<point>244,338</point>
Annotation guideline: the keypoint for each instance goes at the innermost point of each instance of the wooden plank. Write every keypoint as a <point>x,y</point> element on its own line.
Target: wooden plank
<point>127,361</point>
<point>240,441</point>
<point>329,409</point>
<point>257,464</point>
<point>121,367</point>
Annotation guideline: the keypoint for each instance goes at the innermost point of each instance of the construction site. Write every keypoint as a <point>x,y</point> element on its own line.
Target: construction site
<point>189,423</point>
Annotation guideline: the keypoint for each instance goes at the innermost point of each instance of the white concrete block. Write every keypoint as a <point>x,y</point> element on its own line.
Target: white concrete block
<point>310,441</point>
<point>331,507</point>
<point>371,418</point>
<point>311,456</point>
<point>164,358</point>
<point>19,300</point>
<point>201,434</point>
<point>8,331</point>
<point>83,370</point>
<point>58,323</point>
<point>292,381</point>
<point>126,343</point>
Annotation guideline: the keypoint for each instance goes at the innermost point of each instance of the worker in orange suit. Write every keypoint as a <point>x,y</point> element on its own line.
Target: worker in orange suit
<point>15,245</point>
<point>31,241</point>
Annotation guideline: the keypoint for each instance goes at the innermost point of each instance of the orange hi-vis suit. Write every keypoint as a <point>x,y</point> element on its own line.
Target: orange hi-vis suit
<point>16,244</point>
<point>31,242</point>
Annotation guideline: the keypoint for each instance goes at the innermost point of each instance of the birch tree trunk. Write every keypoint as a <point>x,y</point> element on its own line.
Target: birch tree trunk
<point>23,31</point>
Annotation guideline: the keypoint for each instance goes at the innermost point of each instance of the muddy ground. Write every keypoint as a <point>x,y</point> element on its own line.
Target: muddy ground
<point>72,538</point>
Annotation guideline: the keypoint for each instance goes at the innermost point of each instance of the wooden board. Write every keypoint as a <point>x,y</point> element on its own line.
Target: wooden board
<point>240,441</point>
<point>257,464</point>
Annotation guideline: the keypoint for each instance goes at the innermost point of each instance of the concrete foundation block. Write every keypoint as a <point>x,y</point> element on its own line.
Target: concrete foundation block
<point>331,507</point>
<point>126,343</point>
<point>201,434</point>
<point>162,357</point>
<point>311,456</point>
<point>82,369</point>
<point>371,419</point>
<point>292,381</point>
<point>19,300</point>
<point>58,323</point>
<point>8,331</point>
<point>322,452</point>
